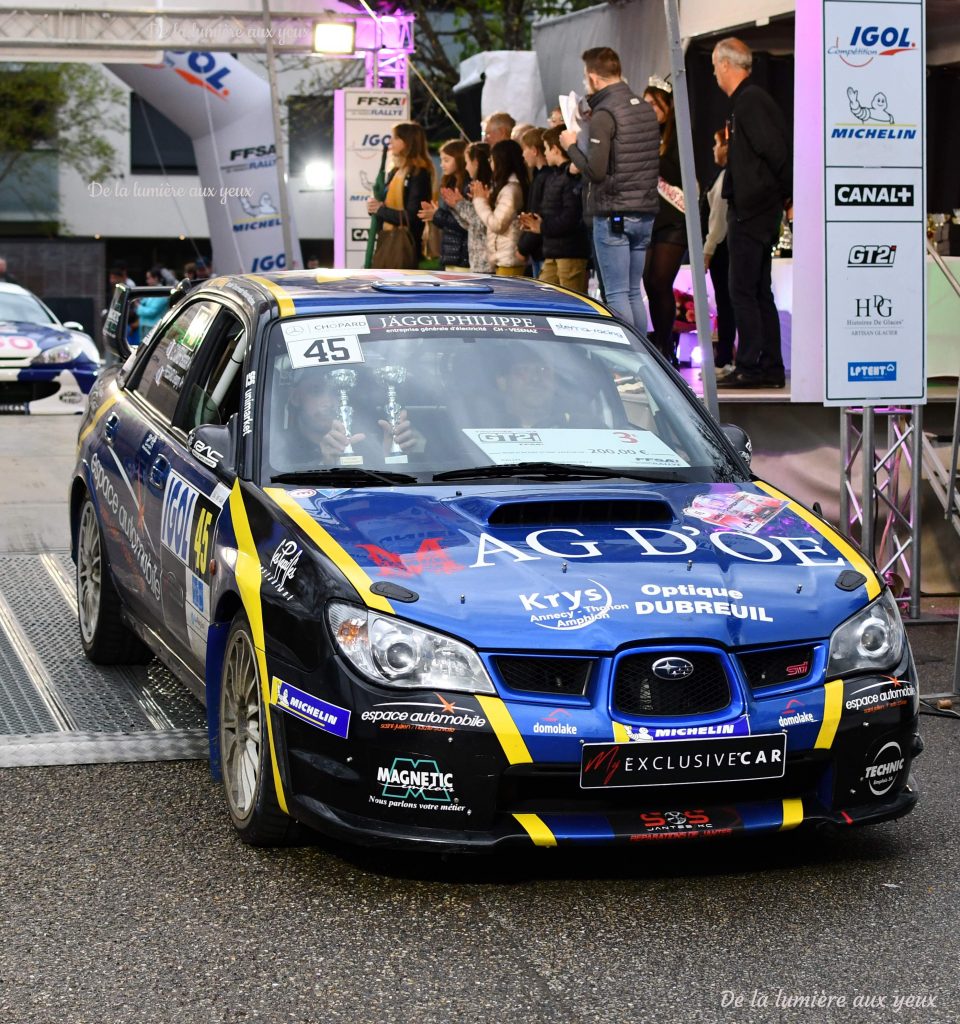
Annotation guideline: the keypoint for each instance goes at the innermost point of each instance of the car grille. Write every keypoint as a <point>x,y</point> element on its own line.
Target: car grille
<point>638,692</point>
<point>778,666</point>
<point>561,676</point>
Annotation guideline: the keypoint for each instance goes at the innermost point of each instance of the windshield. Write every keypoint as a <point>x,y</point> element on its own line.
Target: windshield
<point>25,308</point>
<point>427,394</point>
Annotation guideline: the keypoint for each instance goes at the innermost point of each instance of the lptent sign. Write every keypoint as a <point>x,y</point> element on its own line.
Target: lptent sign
<point>363,121</point>
<point>875,259</point>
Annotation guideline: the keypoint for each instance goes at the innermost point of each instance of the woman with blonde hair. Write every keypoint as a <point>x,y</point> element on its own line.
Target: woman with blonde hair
<point>499,207</point>
<point>409,184</point>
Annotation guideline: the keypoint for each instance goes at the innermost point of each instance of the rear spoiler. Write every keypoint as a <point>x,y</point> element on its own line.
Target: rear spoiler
<point>117,320</point>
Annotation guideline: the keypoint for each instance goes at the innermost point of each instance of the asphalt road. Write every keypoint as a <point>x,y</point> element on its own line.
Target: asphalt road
<point>125,897</point>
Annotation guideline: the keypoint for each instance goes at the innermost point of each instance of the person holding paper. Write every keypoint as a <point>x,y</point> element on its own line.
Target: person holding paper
<point>618,152</point>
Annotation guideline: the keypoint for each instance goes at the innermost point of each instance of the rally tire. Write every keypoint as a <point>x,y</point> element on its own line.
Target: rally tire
<point>105,638</point>
<point>245,746</point>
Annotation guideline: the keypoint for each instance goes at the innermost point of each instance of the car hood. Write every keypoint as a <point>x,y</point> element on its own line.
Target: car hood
<point>22,340</point>
<point>575,567</point>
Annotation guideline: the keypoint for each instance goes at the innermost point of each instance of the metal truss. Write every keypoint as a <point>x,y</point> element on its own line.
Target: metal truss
<point>887,510</point>
<point>135,30</point>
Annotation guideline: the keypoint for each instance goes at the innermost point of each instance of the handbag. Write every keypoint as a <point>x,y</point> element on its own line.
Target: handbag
<point>396,249</point>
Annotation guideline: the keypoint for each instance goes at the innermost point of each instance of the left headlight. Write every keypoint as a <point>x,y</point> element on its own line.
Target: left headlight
<point>395,653</point>
<point>77,348</point>
<point>870,641</point>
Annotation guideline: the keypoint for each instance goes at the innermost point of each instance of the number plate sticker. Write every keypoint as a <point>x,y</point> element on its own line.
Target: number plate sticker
<point>324,341</point>
<point>683,762</point>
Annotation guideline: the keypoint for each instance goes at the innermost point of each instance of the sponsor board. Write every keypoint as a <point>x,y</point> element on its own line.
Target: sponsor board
<point>871,255</point>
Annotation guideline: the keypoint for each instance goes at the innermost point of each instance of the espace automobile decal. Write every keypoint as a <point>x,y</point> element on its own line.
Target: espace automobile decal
<point>353,572</point>
<point>249,575</point>
<point>843,546</point>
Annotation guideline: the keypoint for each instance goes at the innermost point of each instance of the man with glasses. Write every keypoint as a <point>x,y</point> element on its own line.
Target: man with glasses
<point>498,128</point>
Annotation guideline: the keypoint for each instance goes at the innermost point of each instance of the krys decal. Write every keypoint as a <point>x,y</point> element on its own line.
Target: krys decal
<point>570,609</point>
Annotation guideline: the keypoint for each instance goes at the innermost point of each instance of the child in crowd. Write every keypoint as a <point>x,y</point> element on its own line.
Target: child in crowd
<point>530,245</point>
<point>454,252</point>
<point>477,162</point>
<point>566,245</point>
<point>499,207</point>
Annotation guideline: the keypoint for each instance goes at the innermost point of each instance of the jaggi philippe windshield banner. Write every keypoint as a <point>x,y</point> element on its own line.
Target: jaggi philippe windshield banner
<point>874,150</point>
<point>363,121</point>
<point>225,108</point>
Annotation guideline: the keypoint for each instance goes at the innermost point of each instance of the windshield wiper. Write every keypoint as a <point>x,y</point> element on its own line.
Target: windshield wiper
<point>344,476</point>
<point>554,470</point>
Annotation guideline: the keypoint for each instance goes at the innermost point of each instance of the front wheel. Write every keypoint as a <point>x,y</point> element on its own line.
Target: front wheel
<point>106,640</point>
<point>245,747</point>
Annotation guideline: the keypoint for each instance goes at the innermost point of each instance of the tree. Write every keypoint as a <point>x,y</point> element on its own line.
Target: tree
<point>59,112</point>
<point>475,26</point>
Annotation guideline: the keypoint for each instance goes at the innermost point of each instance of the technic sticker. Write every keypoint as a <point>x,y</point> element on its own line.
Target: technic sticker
<point>312,710</point>
<point>738,511</point>
<point>883,771</point>
<point>584,447</point>
<point>588,330</point>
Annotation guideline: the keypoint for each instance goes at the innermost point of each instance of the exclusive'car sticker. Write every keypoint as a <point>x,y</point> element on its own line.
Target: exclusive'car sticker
<point>587,329</point>
<point>585,447</point>
<point>738,511</point>
<point>316,712</point>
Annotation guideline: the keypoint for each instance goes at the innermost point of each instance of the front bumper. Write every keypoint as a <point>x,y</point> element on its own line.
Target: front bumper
<point>52,390</point>
<point>453,771</point>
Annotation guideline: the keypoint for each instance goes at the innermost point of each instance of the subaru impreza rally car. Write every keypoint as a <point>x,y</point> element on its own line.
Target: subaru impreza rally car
<point>459,561</point>
<point>45,366</point>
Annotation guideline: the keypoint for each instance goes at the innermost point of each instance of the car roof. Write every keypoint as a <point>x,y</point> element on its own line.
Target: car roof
<point>16,289</point>
<point>315,292</point>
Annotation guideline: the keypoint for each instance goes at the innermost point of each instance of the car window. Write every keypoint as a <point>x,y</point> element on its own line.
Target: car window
<point>215,396</point>
<point>435,392</point>
<point>164,372</point>
<point>25,308</point>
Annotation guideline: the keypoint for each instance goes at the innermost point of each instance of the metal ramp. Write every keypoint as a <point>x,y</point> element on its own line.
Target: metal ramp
<point>55,706</point>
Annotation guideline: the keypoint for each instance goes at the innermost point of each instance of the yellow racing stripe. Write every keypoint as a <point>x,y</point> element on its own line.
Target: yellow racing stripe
<point>845,548</point>
<point>620,734</point>
<point>340,558</point>
<point>832,710</point>
<point>576,295</point>
<point>249,578</point>
<point>536,830</point>
<point>505,728</point>
<point>104,406</point>
<point>284,301</point>
<point>792,814</point>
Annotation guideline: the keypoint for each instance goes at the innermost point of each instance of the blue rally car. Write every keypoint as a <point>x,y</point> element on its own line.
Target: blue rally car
<point>459,561</point>
<point>45,366</point>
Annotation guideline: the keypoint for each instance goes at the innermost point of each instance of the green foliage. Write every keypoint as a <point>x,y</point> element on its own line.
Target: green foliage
<point>56,108</point>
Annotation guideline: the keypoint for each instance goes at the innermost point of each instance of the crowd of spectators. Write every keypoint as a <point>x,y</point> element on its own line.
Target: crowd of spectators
<point>606,193</point>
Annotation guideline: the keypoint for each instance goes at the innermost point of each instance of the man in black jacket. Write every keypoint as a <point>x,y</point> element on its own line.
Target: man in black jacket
<point>618,153</point>
<point>757,187</point>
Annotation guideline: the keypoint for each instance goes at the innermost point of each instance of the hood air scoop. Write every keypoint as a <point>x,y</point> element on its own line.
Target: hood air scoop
<point>571,511</point>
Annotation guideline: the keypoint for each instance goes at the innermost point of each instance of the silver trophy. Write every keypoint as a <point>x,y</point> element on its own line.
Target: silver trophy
<point>390,377</point>
<point>345,380</point>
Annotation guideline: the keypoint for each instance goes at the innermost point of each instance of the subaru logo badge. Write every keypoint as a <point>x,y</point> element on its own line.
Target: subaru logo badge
<point>672,668</point>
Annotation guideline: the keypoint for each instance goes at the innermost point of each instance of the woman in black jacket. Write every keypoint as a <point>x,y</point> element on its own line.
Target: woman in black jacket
<point>409,184</point>
<point>454,254</point>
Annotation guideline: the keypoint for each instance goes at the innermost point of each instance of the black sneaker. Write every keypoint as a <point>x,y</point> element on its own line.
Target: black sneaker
<point>774,382</point>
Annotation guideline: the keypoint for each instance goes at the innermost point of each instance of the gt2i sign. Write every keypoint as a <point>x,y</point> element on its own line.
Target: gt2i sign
<point>874,127</point>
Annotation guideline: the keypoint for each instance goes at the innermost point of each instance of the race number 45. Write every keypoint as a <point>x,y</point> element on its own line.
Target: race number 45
<point>324,351</point>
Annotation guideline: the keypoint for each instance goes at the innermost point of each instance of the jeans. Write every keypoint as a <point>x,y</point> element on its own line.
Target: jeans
<point>621,259</point>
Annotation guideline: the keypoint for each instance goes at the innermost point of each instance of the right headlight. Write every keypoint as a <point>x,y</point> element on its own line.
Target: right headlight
<point>870,641</point>
<point>392,652</point>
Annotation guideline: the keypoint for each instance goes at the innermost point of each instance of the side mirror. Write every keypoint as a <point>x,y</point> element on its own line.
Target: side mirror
<point>214,446</point>
<point>74,325</point>
<point>740,440</point>
<point>115,326</point>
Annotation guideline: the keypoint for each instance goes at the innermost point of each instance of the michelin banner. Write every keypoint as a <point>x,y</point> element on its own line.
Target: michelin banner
<point>225,108</point>
<point>363,122</point>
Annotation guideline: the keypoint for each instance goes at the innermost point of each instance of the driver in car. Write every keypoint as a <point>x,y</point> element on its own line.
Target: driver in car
<point>530,392</point>
<point>316,427</point>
